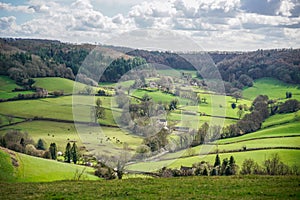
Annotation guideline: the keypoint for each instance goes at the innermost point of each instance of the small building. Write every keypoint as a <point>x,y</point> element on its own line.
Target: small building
<point>152,84</point>
<point>162,122</point>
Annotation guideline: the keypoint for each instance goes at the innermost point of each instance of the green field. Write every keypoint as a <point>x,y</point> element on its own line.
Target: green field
<point>274,88</point>
<point>245,187</point>
<point>48,131</point>
<point>290,157</point>
<point>275,131</point>
<point>279,119</point>
<point>56,108</point>
<point>159,96</point>
<point>33,169</point>
<point>54,83</point>
<point>7,170</point>
<point>6,87</point>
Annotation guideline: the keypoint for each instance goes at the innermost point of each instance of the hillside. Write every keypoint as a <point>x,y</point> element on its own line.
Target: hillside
<point>274,88</point>
<point>31,169</point>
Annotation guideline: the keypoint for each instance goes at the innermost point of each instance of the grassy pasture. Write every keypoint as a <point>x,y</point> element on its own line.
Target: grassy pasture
<point>290,157</point>
<point>56,108</point>
<point>281,119</point>
<point>261,143</point>
<point>272,87</point>
<point>218,105</point>
<point>195,121</point>
<point>159,96</point>
<point>282,130</point>
<point>48,131</point>
<point>237,187</point>
<point>6,168</point>
<point>6,87</point>
<point>61,133</point>
<point>33,169</point>
<point>55,83</point>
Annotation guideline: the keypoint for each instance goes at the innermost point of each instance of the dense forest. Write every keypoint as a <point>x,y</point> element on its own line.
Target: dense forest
<point>28,58</point>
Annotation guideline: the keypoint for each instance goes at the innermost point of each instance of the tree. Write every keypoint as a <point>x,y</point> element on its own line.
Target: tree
<point>240,113</point>
<point>224,166</point>
<point>247,166</point>
<point>97,112</point>
<point>217,161</point>
<point>41,144</point>
<point>237,95</point>
<point>233,168</point>
<point>122,99</point>
<point>22,142</point>
<point>53,151</point>
<point>233,105</point>
<point>68,154</point>
<point>74,153</point>
<point>100,112</point>
<point>288,95</point>
<point>291,105</point>
<point>3,142</point>
<point>173,104</point>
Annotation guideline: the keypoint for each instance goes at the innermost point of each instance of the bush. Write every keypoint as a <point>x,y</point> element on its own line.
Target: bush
<point>105,172</point>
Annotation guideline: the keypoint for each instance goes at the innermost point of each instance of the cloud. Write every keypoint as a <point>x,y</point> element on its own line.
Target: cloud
<point>226,21</point>
<point>10,7</point>
<point>7,23</point>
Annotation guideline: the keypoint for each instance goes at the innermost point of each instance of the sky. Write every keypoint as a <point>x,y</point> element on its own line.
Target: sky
<point>231,25</point>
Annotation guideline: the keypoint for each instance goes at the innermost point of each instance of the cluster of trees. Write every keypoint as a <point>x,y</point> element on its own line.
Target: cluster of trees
<point>156,142</point>
<point>172,60</point>
<point>71,153</point>
<point>250,122</point>
<point>226,168</point>
<point>31,67</point>
<point>21,142</point>
<point>119,67</point>
<point>262,107</point>
<point>205,134</point>
<point>270,166</point>
<point>51,53</point>
<point>239,71</point>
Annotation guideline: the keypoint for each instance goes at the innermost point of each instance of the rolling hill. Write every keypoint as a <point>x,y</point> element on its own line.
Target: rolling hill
<point>32,169</point>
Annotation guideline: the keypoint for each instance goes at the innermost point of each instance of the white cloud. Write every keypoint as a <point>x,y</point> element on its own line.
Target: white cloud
<point>7,24</point>
<point>238,22</point>
<point>285,8</point>
<point>10,7</point>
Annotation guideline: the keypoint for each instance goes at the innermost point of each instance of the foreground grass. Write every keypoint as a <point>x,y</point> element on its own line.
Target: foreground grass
<point>246,187</point>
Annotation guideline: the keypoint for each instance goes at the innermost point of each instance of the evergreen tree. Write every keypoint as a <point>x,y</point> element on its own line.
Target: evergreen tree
<point>224,166</point>
<point>217,161</point>
<point>22,142</point>
<point>53,151</point>
<point>233,166</point>
<point>68,153</point>
<point>74,153</point>
<point>41,144</point>
<point>3,142</point>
